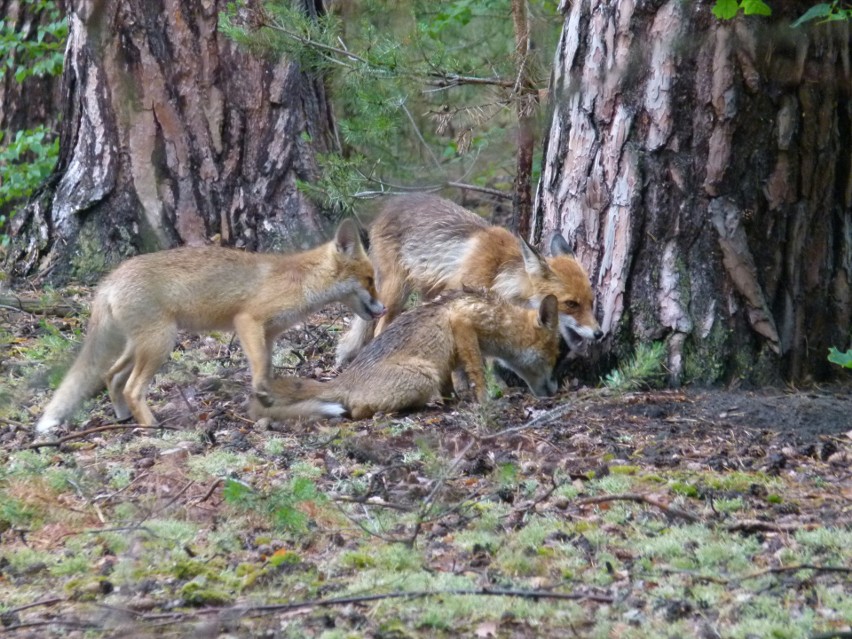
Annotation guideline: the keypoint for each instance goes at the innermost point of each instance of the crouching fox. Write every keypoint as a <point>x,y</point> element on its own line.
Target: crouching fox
<point>426,244</point>
<point>139,308</point>
<point>412,362</point>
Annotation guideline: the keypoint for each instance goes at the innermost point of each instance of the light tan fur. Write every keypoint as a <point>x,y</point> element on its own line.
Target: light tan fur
<point>412,362</point>
<point>426,244</point>
<point>139,308</point>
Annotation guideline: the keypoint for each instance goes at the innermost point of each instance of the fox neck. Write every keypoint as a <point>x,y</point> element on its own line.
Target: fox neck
<point>316,273</point>
<point>513,283</point>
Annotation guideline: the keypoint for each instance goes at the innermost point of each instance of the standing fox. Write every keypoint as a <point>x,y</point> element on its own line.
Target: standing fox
<point>139,308</point>
<point>425,243</point>
<point>412,362</point>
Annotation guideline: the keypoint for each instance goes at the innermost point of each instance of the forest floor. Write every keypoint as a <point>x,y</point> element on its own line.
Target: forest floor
<point>688,513</point>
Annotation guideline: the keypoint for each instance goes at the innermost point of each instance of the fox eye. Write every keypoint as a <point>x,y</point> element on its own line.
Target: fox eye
<point>370,282</point>
<point>570,305</point>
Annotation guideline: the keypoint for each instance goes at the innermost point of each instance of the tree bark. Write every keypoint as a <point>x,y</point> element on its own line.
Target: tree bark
<point>527,107</point>
<point>171,135</point>
<point>704,169</point>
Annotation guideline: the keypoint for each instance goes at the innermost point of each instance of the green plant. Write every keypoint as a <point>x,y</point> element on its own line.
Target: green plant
<point>824,11</point>
<point>841,359</point>
<point>281,505</point>
<point>645,369</point>
<point>28,155</point>
<point>727,9</point>
<point>425,91</point>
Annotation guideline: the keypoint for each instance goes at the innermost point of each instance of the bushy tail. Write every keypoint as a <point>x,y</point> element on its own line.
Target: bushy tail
<point>357,337</point>
<point>102,347</point>
<point>291,397</point>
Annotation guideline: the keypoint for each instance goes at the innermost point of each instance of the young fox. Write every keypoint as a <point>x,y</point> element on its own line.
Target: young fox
<point>139,308</point>
<point>425,243</point>
<point>411,363</point>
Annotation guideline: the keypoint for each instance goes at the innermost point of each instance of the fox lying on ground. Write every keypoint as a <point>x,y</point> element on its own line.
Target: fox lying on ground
<point>412,362</point>
<point>139,308</point>
<point>427,244</point>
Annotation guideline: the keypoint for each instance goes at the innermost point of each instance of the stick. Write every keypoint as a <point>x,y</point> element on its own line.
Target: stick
<point>99,429</point>
<point>642,499</point>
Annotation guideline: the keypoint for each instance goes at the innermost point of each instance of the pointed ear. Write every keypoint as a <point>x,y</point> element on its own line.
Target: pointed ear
<point>558,246</point>
<point>534,263</point>
<point>347,239</point>
<point>548,313</point>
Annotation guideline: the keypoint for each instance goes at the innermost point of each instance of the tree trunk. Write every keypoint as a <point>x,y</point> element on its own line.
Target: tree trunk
<point>704,169</point>
<point>171,135</point>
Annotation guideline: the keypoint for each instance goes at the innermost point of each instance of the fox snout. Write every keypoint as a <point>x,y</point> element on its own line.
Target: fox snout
<point>547,388</point>
<point>369,309</point>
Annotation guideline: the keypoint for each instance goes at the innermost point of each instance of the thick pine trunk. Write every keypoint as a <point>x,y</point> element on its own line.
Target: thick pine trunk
<point>704,169</point>
<point>171,135</point>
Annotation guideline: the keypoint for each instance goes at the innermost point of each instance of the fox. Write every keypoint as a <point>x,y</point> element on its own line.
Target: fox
<point>413,362</point>
<point>427,244</point>
<point>139,308</point>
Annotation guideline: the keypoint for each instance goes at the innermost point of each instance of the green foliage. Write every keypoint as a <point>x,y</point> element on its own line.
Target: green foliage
<point>28,156</point>
<point>38,56</point>
<point>839,358</point>
<point>424,91</point>
<point>282,506</point>
<point>825,11</point>
<point>727,9</point>
<point>645,369</point>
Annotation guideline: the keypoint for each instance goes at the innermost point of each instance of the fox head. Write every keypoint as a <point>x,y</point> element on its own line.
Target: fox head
<point>564,277</point>
<point>355,272</point>
<point>535,348</point>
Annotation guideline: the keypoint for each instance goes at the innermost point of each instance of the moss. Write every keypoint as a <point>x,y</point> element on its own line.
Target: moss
<point>706,360</point>
<point>197,594</point>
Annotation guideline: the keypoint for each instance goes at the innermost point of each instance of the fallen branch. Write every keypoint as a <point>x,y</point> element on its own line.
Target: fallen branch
<point>419,594</point>
<point>89,431</point>
<point>642,499</point>
<point>39,306</point>
<point>797,568</point>
<point>209,492</point>
<point>755,525</point>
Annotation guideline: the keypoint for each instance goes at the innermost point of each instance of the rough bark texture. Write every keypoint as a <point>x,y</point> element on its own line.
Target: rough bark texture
<point>171,135</point>
<point>704,169</point>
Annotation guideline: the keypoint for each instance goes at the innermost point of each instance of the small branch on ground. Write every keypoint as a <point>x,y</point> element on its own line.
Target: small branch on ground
<point>99,429</point>
<point>642,499</point>
<point>38,306</point>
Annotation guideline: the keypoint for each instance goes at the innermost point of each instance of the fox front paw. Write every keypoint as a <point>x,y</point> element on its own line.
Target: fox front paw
<point>262,397</point>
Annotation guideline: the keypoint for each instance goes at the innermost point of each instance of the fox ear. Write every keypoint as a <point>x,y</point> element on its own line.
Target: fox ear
<point>548,313</point>
<point>558,246</point>
<point>347,239</point>
<point>534,263</point>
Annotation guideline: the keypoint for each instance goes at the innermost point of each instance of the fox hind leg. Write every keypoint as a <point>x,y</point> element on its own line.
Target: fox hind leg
<point>116,381</point>
<point>151,352</point>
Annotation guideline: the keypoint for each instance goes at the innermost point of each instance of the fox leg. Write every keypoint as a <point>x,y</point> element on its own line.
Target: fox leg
<point>470,357</point>
<point>394,293</point>
<point>357,337</point>
<point>151,351</point>
<point>253,337</point>
<point>116,381</point>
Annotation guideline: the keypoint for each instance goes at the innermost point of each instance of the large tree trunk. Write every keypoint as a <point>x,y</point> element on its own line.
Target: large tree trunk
<point>171,135</point>
<point>704,169</point>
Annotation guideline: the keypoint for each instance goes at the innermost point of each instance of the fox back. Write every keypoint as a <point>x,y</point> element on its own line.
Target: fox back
<point>426,244</point>
<point>412,362</point>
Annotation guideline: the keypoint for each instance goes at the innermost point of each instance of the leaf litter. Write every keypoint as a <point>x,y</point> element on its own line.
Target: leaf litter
<point>690,512</point>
